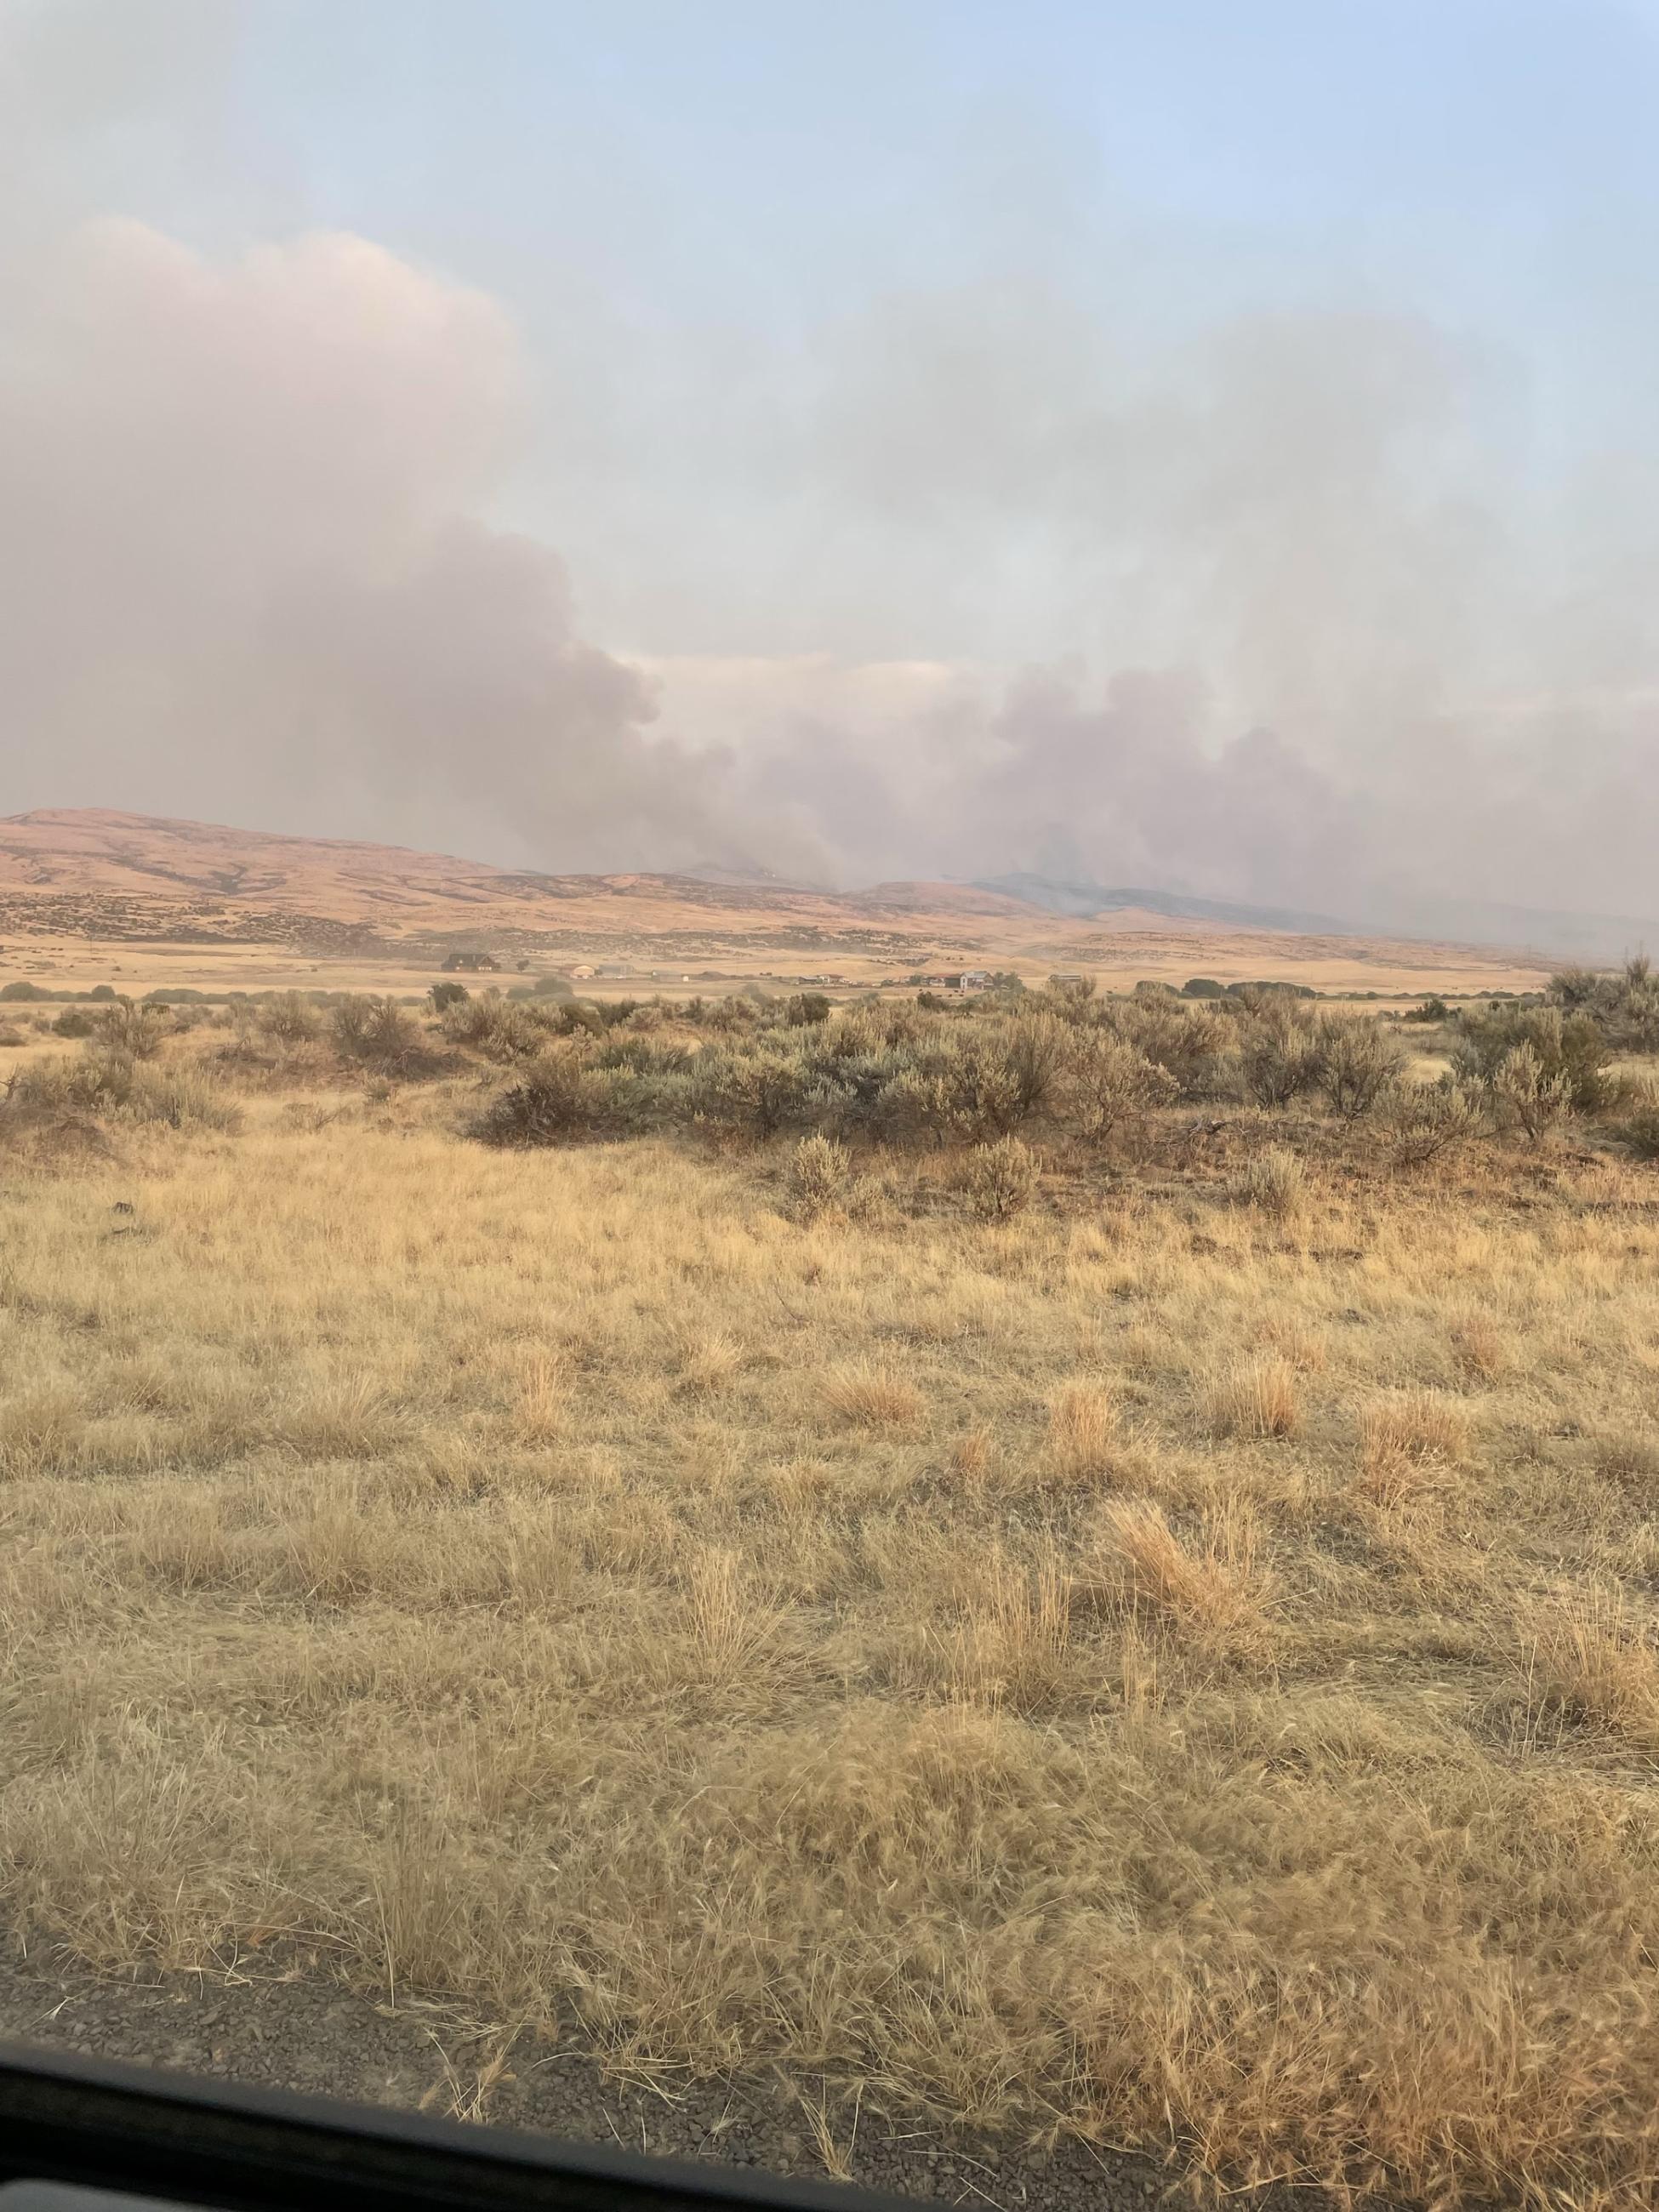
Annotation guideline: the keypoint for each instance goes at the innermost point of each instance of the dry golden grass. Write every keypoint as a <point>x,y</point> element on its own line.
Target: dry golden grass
<point>872,1397</point>
<point>1481,1347</point>
<point>1104,1669</point>
<point>1254,1398</point>
<point>972,1456</point>
<point>125,864</point>
<point>1409,1442</point>
<point>1210,1585</point>
<point>1276,1180</point>
<point>1591,1657</point>
<point>1083,1431</point>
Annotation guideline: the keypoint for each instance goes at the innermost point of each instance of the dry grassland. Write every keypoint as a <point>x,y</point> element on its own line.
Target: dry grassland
<point>87,896</point>
<point>1148,1668</point>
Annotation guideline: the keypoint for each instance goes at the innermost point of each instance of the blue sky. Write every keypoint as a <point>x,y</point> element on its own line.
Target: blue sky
<point>706,194</point>
<point>767,161</point>
<point>677,202</point>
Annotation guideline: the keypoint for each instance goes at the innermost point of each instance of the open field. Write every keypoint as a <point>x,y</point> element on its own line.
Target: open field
<point>89,898</point>
<point>1141,1631</point>
<point>71,962</point>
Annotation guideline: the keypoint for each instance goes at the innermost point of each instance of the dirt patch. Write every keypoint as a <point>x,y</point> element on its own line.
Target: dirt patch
<point>274,2028</point>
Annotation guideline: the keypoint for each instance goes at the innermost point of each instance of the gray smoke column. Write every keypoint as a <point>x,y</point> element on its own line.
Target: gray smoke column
<point>249,574</point>
<point>1340,642</point>
<point>1312,603</point>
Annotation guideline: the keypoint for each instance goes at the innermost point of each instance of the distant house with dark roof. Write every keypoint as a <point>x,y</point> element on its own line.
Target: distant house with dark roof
<point>471,964</point>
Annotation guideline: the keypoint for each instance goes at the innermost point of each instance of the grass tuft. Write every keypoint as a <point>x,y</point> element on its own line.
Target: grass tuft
<point>1409,1441</point>
<point>872,1397</point>
<point>1083,1431</point>
<point>1254,1398</point>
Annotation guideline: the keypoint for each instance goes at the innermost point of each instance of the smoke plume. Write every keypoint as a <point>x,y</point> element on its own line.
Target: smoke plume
<point>239,518</point>
<point>1315,605</point>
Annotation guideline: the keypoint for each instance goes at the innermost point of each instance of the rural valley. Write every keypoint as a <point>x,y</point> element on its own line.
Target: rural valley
<point>1043,1591</point>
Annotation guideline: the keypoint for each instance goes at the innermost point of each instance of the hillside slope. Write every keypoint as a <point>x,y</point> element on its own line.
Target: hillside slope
<point>76,885</point>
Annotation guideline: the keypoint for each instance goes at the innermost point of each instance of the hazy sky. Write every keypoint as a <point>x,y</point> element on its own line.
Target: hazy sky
<point>1209,444</point>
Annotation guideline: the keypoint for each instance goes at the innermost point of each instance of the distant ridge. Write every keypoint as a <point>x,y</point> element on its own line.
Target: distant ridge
<point>141,887</point>
<point>1084,899</point>
<point>735,871</point>
<point>1555,933</point>
<point>1560,934</point>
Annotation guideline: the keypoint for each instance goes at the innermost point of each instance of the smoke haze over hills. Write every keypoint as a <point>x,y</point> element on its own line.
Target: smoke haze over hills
<point>1093,538</point>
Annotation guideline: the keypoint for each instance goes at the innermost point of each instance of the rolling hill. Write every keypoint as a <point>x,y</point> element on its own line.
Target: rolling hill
<point>84,889</point>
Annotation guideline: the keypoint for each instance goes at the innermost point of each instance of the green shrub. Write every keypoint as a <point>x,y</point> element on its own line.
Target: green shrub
<point>1279,1057</point>
<point>876,1025</point>
<point>1575,987</point>
<point>1357,1063</point>
<point>1527,1094</point>
<point>1195,1043</point>
<point>1623,1007</point>
<point>577,1017</point>
<point>505,1030</point>
<point>807,1009</point>
<point>99,1083</point>
<point>1427,1119</point>
<point>290,1018</point>
<point>757,1091</point>
<point>103,1085</point>
<point>1035,1047</point>
<point>1108,1080</point>
<point>371,1029</point>
<point>559,1101</point>
<point>1639,1133</point>
<point>888,1072</point>
<point>1069,994</point>
<point>945,1093</point>
<point>75,1022</point>
<point>137,1030</point>
<point>64,1096</point>
<point>1569,1055</point>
